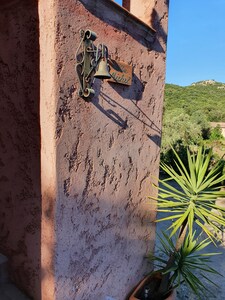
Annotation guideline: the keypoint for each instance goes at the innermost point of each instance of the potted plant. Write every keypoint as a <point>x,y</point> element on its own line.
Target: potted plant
<point>191,208</point>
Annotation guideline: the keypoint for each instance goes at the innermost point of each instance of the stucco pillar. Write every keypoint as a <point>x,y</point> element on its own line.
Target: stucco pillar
<point>75,175</point>
<point>97,157</point>
<point>104,153</point>
<point>48,102</point>
<point>142,9</point>
<point>20,200</point>
<point>79,214</point>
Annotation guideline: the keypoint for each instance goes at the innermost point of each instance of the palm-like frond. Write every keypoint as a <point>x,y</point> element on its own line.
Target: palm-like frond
<point>198,188</point>
<point>187,261</point>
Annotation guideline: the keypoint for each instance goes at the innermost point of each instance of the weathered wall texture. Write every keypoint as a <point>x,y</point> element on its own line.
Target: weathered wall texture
<point>143,9</point>
<point>48,103</point>
<point>106,150</point>
<point>20,209</point>
<point>91,227</point>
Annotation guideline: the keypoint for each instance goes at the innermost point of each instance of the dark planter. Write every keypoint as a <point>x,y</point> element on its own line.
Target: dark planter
<point>143,289</point>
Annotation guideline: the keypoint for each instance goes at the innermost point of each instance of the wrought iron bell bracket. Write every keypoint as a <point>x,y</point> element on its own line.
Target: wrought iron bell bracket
<point>89,59</point>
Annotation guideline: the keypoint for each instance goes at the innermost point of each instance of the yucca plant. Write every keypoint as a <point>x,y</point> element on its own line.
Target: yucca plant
<point>186,261</point>
<point>191,203</point>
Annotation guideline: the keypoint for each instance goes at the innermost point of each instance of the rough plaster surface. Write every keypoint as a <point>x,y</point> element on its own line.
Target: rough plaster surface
<point>96,157</point>
<point>20,208</point>
<point>106,151</point>
<point>143,9</point>
<point>48,87</point>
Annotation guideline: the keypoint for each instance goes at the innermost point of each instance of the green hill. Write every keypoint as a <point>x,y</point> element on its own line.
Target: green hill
<point>204,97</point>
<point>187,113</point>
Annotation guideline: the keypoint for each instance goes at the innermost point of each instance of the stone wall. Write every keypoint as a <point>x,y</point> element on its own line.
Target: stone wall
<point>20,200</point>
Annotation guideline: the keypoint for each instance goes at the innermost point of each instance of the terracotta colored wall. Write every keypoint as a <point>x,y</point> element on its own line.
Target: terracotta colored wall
<point>143,9</point>
<point>48,103</point>
<point>20,208</point>
<point>96,158</point>
<point>105,151</point>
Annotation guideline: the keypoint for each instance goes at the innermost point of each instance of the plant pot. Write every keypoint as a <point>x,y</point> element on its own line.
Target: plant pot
<point>152,281</point>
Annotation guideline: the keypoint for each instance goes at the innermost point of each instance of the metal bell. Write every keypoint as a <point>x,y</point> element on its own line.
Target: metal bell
<point>103,70</point>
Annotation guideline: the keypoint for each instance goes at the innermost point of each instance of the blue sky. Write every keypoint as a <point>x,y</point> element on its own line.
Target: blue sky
<point>196,41</point>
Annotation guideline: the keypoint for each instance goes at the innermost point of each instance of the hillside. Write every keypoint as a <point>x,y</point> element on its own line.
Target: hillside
<point>204,98</point>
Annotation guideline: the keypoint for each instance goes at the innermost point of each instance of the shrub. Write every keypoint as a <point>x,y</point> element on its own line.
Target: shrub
<point>216,134</point>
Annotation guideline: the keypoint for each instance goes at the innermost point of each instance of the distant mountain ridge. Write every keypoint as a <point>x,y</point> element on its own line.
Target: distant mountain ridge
<point>208,82</point>
<point>206,97</point>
